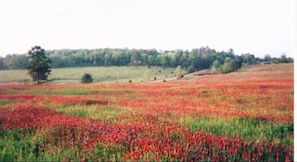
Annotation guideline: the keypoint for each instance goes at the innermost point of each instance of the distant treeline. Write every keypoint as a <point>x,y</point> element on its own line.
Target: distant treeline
<point>196,59</point>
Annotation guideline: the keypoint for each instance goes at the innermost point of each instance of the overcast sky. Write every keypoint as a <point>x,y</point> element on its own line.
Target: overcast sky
<point>248,26</point>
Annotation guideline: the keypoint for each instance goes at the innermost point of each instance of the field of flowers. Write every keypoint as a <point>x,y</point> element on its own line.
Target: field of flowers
<point>243,116</point>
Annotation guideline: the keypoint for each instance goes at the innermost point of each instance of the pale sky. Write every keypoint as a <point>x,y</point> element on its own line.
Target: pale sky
<point>248,26</point>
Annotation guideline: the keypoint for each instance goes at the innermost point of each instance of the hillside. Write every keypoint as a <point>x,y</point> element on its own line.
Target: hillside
<point>249,73</point>
<point>245,73</point>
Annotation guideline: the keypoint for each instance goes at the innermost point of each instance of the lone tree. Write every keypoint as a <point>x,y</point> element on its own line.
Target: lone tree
<point>39,65</point>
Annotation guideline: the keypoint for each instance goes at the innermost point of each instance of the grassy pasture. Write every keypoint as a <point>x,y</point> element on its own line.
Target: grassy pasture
<point>100,74</point>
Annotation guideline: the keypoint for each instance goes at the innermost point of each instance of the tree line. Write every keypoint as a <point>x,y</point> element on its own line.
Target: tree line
<point>195,59</point>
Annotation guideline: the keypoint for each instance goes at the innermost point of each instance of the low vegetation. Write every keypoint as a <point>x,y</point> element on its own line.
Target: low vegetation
<point>99,74</point>
<point>87,78</point>
<point>242,116</point>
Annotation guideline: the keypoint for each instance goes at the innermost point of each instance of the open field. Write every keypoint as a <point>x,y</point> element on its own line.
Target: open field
<point>242,116</point>
<point>100,74</point>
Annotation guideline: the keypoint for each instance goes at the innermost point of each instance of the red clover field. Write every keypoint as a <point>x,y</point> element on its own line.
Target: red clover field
<point>242,116</point>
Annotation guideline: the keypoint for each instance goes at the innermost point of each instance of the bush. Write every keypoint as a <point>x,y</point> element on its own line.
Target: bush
<point>178,72</point>
<point>87,78</point>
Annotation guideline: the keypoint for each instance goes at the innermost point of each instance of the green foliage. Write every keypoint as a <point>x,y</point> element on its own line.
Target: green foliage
<point>230,65</point>
<point>267,58</point>
<point>14,61</point>
<point>5,102</point>
<point>195,59</point>
<point>248,59</point>
<point>285,59</point>
<point>109,114</point>
<point>228,59</point>
<point>39,65</point>
<point>178,72</point>
<point>190,69</point>
<point>250,129</point>
<point>18,145</point>
<point>41,145</point>
<point>227,67</point>
<point>216,66</point>
<point>87,78</point>
<point>136,59</point>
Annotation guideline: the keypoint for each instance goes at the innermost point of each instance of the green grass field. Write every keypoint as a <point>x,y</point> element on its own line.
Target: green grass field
<point>100,74</point>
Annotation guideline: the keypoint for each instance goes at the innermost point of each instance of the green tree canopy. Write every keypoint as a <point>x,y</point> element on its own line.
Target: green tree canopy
<point>136,59</point>
<point>39,66</point>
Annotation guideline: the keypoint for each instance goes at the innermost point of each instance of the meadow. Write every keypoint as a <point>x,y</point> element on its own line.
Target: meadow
<point>99,74</point>
<point>242,116</point>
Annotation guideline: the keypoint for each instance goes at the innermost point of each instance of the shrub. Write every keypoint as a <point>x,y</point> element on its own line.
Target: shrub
<point>87,78</point>
<point>178,72</point>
